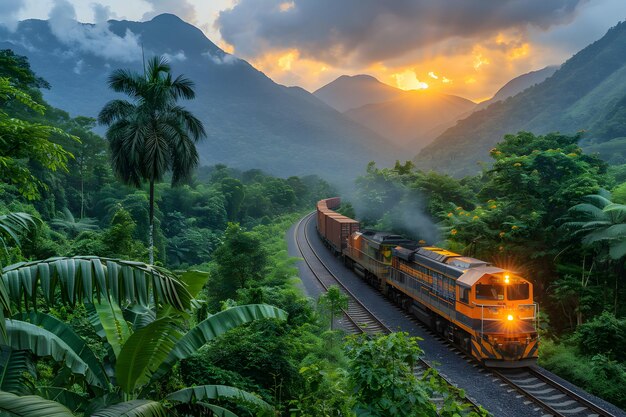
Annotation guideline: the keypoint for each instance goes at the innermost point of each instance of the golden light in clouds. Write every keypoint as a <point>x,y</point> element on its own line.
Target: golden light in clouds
<point>475,72</point>
<point>479,61</point>
<point>286,6</point>
<point>407,80</point>
<point>285,61</point>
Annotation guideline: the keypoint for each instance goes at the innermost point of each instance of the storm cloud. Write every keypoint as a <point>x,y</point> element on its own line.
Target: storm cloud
<point>364,31</point>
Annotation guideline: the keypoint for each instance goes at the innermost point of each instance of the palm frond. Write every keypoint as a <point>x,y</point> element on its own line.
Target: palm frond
<point>116,110</point>
<point>143,352</point>
<point>135,408</point>
<point>127,82</point>
<point>598,200</point>
<point>218,392</point>
<point>15,365</point>
<point>31,406</point>
<point>89,278</point>
<point>71,338</point>
<point>13,224</point>
<point>73,401</point>
<point>182,87</point>
<point>189,122</point>
<point>26,336</point>
<point>114,326</point>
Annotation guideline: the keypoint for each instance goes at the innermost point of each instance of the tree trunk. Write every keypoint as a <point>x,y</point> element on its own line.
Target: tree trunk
<point>620,274</point>
<point>151,228</point>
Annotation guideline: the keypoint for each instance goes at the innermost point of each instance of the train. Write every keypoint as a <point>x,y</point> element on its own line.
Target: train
<point>485,310</point>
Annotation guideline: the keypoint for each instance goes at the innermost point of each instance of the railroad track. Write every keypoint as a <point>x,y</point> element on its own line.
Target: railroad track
<point>358,319</point>
<point>556,399</point>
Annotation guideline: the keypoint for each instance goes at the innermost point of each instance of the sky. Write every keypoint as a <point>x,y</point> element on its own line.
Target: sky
<point>463,47</point>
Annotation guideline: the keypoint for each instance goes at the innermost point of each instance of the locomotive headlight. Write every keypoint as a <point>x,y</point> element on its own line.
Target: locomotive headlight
<point>509,317</point>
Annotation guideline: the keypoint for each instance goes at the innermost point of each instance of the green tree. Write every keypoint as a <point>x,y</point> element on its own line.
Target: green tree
<point>23,142</point>
<point>381,375</point>
<point>152,135</point>
<point>601,224</point>
<point>241,261</point>
<point>332,303</point>
<point>118,238</point>
<point>234,193</point>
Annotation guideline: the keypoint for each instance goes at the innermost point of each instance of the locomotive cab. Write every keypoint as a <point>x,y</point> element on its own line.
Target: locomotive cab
<point>504,316</point>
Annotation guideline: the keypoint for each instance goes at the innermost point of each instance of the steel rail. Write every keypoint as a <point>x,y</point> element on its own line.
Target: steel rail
<point>364,310</point>
<point>423,364</point>
<point>563,404</point>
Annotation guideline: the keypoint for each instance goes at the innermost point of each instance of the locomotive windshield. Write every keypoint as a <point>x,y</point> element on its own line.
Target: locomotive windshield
<point>517,291</point>
<point>489,292</point>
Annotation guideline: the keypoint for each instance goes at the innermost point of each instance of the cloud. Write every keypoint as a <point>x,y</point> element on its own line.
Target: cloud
<point>220,59</point>
<point>78,68</point>
<point>9,11</point>
<point>366,31</point>
<point>181,8</point>
<point>407,80</point>
<point>178,56</point>
<point>96,39</point>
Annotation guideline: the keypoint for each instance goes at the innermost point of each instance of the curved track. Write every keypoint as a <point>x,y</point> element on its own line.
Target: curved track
<point>358,319</point>
<point>553,397</point>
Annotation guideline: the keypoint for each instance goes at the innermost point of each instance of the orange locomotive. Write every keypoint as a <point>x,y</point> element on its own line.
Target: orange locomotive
<point>486,310</point>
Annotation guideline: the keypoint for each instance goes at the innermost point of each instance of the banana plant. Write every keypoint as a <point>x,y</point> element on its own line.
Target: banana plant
<point>141,353</point>
<point>144,358</point>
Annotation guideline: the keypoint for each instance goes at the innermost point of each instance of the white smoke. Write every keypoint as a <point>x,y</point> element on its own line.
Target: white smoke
<point>96,39</point>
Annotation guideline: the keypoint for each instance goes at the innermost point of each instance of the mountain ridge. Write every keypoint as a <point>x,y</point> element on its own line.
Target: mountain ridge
<point>564,102</point>
<point>251,121</point>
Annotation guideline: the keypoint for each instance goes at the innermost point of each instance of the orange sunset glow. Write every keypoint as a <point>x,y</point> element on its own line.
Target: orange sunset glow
<point>476,72</point>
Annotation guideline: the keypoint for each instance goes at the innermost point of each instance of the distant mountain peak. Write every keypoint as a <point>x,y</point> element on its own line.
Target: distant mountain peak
<point>167,17</point>
<point>351,91</point>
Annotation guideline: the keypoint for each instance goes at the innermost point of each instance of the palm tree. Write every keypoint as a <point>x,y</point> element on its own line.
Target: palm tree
<point>151,135</point>
<point>602,224</point>
<point>66,221</point>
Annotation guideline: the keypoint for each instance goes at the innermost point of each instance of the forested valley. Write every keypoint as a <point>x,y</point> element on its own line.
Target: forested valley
<point>215,324</point>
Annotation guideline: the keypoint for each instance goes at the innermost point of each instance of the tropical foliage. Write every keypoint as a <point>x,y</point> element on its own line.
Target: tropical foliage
<point>542,210</point>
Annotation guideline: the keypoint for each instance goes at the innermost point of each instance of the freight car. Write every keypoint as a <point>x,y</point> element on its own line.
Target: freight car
<point>487,311</point>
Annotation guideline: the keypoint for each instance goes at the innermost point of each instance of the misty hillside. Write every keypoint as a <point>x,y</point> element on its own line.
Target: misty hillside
<point>414,119</point>
<point>409,119</point>
<point>251,121</point>
<point>587,93</point>
<point>519,84</point>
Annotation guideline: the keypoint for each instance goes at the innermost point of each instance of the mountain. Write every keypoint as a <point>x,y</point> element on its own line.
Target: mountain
<point>413,119</point>
<point>519,84</point>
<point>409,119</point>
<point>349,92</point>
<point>251,121</point>
<point>587,93</point>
